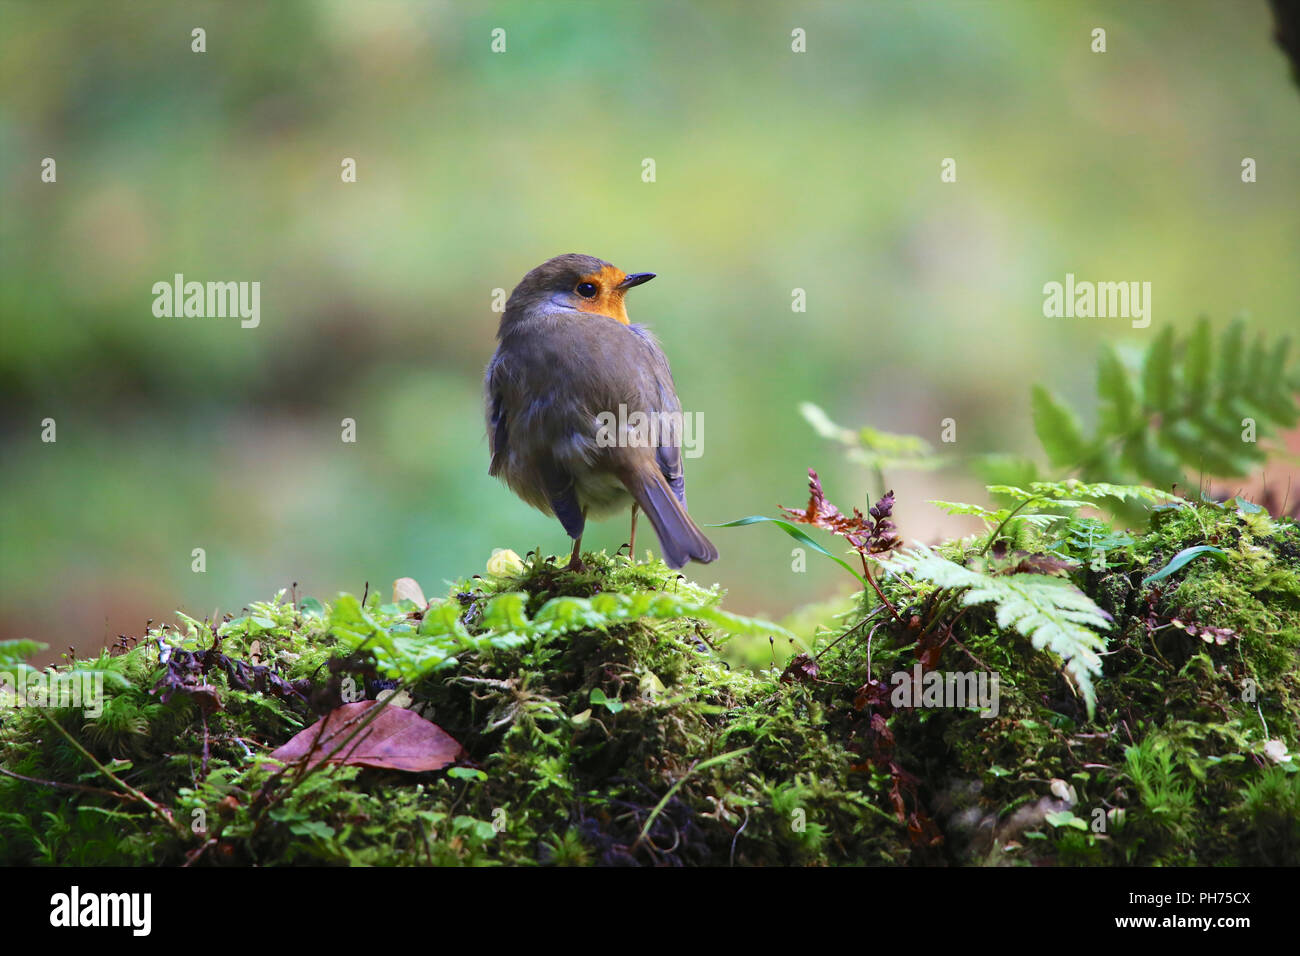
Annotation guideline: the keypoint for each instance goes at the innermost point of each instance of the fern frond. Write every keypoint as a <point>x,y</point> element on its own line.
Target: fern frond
<point>996,517</point>
<point>1178,414</point>
<point>1069,491</point>
<point>1044,503</point>
<point>14,654</point>
<point>1052,613</point>
<point>872,447</point>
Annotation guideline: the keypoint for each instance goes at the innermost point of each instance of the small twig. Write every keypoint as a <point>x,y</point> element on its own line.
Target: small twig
<point>871,579</point>
<point>969,653</point>
<point>998,530</point>
<point>424,838</point>
<point>66,786</point>
<point>731,860</point>
<point>363,721</point>
<point>663,802</point>
<point>819,654</point>
<point>1151,639</point>
<point>310,750</point>
<point>203,765</point>
<point>158,809</point>
<point>193,855</point>
<point>871,637</point>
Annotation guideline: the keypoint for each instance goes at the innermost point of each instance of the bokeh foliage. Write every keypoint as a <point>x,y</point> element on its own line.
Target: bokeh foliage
<point>776,171</point>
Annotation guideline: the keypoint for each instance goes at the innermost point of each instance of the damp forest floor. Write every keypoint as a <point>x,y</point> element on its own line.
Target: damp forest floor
<point>602,719</point>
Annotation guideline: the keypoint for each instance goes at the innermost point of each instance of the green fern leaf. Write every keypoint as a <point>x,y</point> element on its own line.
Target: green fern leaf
<point>15,653</point>
<point>872,447</point>
<point>1058,429</point>
<point>1198,360</point>
<point>996,518</point>
<point>1181,412</point>
<point>1158,372</point>
<point>1232,347</point>
<point>962,508</point>
<point>1072,489</point>
<point>1052,613</point>
<point>1116,391</point>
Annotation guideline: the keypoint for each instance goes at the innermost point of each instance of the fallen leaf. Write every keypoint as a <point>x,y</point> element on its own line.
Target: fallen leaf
<point>409,589</point>
<point>397,739</point>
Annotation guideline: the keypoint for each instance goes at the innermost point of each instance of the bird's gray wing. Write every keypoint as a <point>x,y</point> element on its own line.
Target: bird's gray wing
<point>498,415</point>
<point>556,485</point>
<point>669,453</point>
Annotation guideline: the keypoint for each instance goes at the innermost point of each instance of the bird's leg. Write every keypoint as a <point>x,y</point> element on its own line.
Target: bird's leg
<point>575,559</point>
<point>631,541</point>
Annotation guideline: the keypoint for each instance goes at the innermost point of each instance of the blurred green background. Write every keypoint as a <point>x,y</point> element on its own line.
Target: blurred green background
<point>775,171</point>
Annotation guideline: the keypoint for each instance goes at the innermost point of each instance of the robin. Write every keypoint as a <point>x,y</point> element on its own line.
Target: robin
<point>562,391</point>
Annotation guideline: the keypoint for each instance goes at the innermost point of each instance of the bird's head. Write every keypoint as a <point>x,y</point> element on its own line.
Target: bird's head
<point>575,282</point>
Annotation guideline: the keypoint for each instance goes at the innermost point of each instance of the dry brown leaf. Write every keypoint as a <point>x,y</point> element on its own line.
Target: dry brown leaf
<point>409,589</point>
<point>397,739</point>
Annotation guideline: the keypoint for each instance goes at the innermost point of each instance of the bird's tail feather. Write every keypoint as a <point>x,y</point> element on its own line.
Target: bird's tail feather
<point>679,537</point>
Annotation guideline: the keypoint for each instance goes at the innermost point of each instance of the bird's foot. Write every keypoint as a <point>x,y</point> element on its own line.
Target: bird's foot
<point>575,559</point>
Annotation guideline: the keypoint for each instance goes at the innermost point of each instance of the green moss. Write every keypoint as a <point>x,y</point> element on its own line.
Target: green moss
<point>637,742</point>
<point>1178,742</point>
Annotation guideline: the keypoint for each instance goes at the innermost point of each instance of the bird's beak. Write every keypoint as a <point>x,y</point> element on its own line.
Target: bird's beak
<point>636,278</point>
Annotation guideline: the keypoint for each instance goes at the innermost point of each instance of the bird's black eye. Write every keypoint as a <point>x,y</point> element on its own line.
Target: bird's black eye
<point>586,289</point>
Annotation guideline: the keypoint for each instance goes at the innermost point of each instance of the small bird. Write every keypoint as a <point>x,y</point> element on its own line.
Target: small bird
<point>567,364</point>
